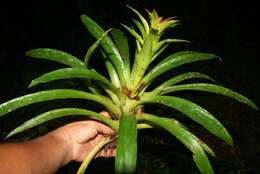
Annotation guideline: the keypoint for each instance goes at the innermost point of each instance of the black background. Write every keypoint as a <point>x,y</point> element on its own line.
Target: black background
<point>226,28</point>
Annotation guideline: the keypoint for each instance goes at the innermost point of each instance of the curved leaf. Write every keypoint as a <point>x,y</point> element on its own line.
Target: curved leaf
<point>140,27</point>
<point>134,33</point>
<point>121,43</point>
<point>168,41</point>
<point>217,89</point>
<point>55,55</point>
<point>93,47</point>
<point>126,151</point>
<point>176,60</point>
<point>92,154</point>
<point>180,78</point>
<point>142,19</point>
<point>112,74</point>
<point>54,94</point>
<point>58,113</point>
<point>205,147</point>
<point>189,140</point>
<point>66,73</point>
<point>195,112</point>
<point>107,45</point>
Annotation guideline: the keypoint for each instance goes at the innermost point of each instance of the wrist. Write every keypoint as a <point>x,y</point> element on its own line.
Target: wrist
<point>62,145</point>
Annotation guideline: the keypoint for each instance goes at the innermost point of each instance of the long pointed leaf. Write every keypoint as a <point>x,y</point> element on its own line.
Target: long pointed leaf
<point>107,45</point>
<point>54,94</point>
<point>126,152</point>
<point>195,112</point>
<point>134,33</point>
<point>112,74</point>
<point>168,41</point>
<point>55,55</point>
<point>189,140</point>
<point>143,20</point>
<point>58,113</point>
<point>212,88</point>
<point>93,47</point>
<point>205,147</point>
<point>66,73</point>
<point>180,78</point>
<point>140,27</point>
<point>176,60</point>
<point>121,43</point>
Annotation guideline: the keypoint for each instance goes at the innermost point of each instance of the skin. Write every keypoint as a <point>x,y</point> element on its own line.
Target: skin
<point>46,154</point>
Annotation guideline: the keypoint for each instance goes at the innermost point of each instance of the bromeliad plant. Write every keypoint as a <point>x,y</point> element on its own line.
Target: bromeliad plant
<point>125,93</point>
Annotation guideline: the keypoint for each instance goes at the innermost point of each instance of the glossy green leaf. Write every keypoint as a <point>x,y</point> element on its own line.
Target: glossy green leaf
<point>121,43</point>
<point>54,94</point>
<point>93,47</point>
<point>205,147</point>
<point>111,71</point>
<point>176,60</point>
<point>66,73</point>
<point>180,78</point>
<point>212,88</point>
<point>195,112</point>
<point>126,151</point>
<point>107,45</point>
<point>55,55</point>
<point>58,113</point>
<point>189,140</point>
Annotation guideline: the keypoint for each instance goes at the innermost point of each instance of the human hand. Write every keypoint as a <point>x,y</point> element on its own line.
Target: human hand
<point>82,136</point>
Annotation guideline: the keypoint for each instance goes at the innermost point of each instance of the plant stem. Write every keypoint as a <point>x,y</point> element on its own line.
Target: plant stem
<point>92,154</point>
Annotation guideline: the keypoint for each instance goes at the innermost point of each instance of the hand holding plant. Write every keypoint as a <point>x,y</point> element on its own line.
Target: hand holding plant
<point>82,137</point>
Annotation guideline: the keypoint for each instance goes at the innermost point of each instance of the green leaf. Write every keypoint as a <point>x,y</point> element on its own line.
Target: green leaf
<point>195,112</point>
<point>134,33</point>
<point>108,46</point>
<point>58,113</point>
<point>217,89</point>
<point>158,52</point>
<point>140,27</point>
<point>205,147</point>
<point>180,78</point>
<point>168,41</point>
<point>189,140</point>
<point>121,43</point>
<point>112,74</point>
<point>93,47</point>
<point>126,151</point>
<point>66,73</point>
<point>54,94</point>
<point>144,22</point>
<point>55,55</point>
<point>92,154</point>
<point>176,60</point>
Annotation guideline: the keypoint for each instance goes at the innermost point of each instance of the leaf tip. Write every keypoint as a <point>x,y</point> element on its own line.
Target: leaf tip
<point>33,83</point>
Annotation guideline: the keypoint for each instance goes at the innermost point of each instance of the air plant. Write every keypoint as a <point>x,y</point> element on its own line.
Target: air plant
<point>124,92</point>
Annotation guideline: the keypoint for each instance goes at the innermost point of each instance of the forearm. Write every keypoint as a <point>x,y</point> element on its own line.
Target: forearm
<point>43,155</point>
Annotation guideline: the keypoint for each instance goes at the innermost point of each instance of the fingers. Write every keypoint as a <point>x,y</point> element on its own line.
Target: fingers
<point>107,153</point>
<point>101,127</point>
<point>106,114</point>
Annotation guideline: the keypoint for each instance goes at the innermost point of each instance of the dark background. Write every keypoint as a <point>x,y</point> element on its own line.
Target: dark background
<point>226,28</point>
